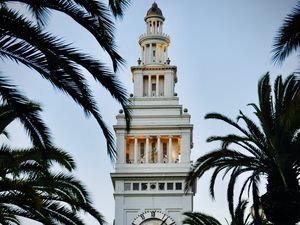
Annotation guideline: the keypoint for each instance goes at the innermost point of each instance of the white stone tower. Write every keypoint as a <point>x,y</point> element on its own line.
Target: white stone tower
<point>154,157</point>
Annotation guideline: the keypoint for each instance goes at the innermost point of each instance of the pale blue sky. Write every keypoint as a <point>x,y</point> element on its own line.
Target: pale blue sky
<point>221,49</point>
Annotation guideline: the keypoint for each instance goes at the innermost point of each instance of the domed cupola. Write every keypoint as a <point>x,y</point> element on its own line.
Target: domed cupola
<point>154,43</point>
<point>154,11</point>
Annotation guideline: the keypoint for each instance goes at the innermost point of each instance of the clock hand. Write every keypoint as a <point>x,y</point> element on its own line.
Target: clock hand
<point>164,221</point>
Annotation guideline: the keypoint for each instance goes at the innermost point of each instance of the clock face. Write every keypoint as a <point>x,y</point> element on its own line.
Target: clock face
<point>153,218</point>
<point>152,222</point>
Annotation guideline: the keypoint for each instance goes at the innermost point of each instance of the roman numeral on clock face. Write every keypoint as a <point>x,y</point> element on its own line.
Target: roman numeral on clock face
<point>152,213</point>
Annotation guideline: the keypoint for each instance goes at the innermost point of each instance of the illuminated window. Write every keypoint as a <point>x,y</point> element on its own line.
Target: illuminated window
<point>161,85</point>
<point>142,149</point>
<point>153,89</point>
<point>165,152</point>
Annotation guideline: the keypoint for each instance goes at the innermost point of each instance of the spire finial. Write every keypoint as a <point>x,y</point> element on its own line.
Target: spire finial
<point>154,10</point>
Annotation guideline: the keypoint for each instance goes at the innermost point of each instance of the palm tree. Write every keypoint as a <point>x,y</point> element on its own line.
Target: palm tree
<point>23,40</point>
<point>29,188</point>
<point>29,185</point>
<point>238,218</point>
<point>287,40</point>
<point>270,150</point>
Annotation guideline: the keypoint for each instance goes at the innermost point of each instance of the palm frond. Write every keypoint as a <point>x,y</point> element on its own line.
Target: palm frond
<point>27,112</point>
<point>118,7</point>
<point>197,218</point>
<point>288,38</point>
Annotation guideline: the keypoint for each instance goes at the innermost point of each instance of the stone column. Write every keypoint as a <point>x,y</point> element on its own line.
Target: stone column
<point>166,53</point>
<point>150,53</point>
<point>121,148</point>
<point>135,149</point>
<point>170,149</point>
<point>158,150</point>
<point>148,27</point>
<point>156,55</point>
<point>185,147</point>
<point>147,149</point>
<point>157,85</point>
<point>142,54</point>
<point>149,85</point>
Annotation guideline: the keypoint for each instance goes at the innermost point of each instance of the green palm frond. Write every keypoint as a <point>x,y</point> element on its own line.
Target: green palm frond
<point>197,218</point>
<point>118,6</point>
<point>8,215</point>
<point>29,188</point>
<point>17,106</point>
<point>97,21</point>
<point>7,115</point>
<point>238,217</point>
<point>288,39</point>
<point>54,155</point>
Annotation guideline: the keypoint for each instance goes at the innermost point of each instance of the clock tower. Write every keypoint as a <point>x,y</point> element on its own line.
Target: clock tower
<point>154,157</point>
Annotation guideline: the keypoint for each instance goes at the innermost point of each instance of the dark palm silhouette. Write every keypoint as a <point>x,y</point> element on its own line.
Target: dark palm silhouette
<point>17,106</point>
<point>239,217</point>
<point>268,149</point>
<point>23,40</point>
<point>30,187</point>
<point>287,40</point>
<point>197,218</point>
<point>31,190</point>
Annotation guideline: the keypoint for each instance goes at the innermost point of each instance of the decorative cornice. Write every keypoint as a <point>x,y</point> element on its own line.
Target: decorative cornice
<point>155,127</point>
<point>142,175</point>
<point>151,37</point>
<point>154,67</point>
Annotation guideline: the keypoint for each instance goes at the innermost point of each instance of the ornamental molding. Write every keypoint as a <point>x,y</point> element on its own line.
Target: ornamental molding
<point>155,67</point>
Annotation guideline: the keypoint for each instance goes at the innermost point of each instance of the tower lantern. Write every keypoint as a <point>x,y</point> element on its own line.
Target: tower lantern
<point>154,156</point>
<point>154,43</point>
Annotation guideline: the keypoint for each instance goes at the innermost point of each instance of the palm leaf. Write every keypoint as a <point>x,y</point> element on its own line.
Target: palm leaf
<point>197,218</point>
<point>27,112</point>
<point>118,6</point>
<point>287,39</point>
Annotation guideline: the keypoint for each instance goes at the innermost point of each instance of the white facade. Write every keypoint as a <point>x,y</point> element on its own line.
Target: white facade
<point>154,157</point>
